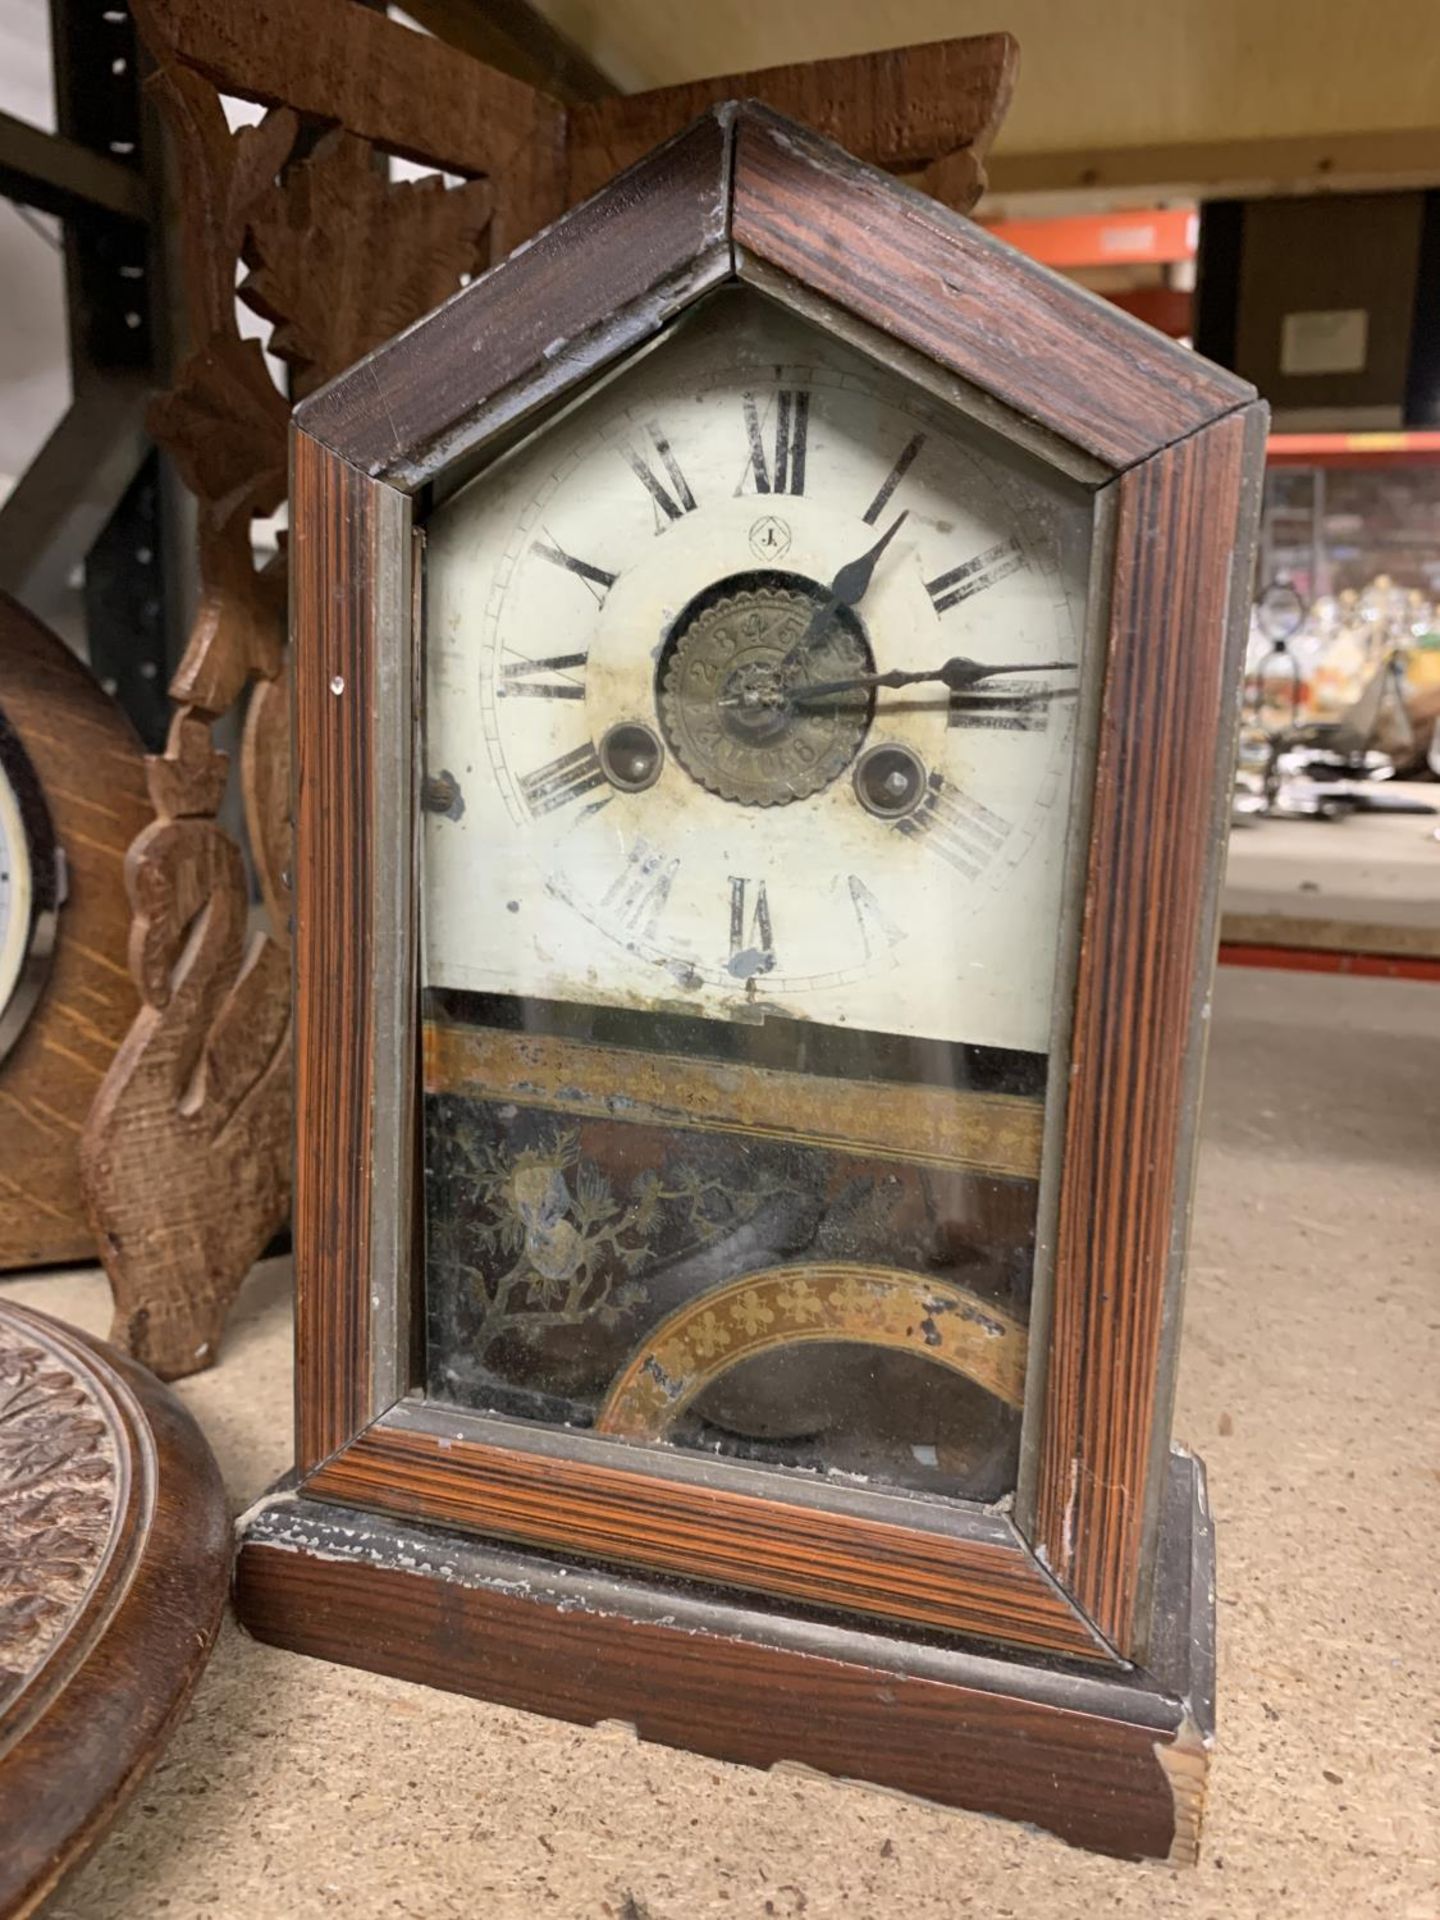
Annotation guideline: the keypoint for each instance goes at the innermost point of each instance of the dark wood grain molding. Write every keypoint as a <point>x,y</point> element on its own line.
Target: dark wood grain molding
<point>335,610</point>
<point>1112,1762</point>
<point>1057,355</point>
<point>115,1540</point>
<point>1153,866</point>
<point>615,268</point>
<point>970,1575</point>
<point>596,285</point>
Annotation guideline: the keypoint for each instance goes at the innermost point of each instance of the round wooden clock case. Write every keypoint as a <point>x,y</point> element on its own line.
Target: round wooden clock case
<point>72,798</point>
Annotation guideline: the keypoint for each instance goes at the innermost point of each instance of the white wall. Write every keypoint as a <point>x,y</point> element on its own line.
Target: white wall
<point>34,377</point>
<point>1094,73</point>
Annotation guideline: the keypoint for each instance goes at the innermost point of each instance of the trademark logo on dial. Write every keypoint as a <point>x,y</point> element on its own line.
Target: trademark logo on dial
<point>769,537</point>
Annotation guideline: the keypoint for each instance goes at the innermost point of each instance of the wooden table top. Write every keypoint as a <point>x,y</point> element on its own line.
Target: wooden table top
<point>1369,883</point>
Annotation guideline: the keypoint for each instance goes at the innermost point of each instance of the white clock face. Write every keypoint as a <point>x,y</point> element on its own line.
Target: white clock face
<point>659,774</point>
<point>16,892</point>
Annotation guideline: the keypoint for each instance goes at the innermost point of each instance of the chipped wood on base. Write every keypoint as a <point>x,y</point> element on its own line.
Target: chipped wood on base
<point>1091,1758</point>
<point>1185,1761</point>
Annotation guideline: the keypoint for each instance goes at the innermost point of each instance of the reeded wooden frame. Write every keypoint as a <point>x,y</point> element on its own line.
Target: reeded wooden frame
<point>1171,449</point>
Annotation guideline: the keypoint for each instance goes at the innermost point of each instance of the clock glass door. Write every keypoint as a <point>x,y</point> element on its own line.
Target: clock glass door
<point>753,790</point>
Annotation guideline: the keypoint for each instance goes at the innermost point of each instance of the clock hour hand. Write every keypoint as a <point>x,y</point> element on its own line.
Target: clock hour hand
<point>956,674</point>
<point>847,589</point>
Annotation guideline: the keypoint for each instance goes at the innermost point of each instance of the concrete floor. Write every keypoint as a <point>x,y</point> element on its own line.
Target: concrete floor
<point>1310,1383</point>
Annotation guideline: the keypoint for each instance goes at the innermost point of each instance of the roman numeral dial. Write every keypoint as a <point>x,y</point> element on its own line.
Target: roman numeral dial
<point>568,777</point>
<point>752,938</point>
<point>981,710</point>
<point>878,931</point>
<point>956,827</point>
<point>751,699</point>
<point>555,678</point>
<point>779,436</point>
<point>897,473</point>
<point>636,897</point>
<point>598,580</point>
<point>671,493</point>
<point>974,576</point>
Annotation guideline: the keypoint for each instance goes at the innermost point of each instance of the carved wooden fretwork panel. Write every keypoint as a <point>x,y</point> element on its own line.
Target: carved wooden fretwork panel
<point>115,1551</point>
<point>59,1493</point>
<point>186,1157</point>
<point>186,1154</point>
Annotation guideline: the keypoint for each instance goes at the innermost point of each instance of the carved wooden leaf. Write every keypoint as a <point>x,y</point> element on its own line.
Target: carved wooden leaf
<point>224,177</point>
<point>265,785</point>
<point>239,625</point>
<point>224,424</point>
<point>341,257</point>
<point>187,1153</point>
<point>185,1158</point>
<point>955,179</point>
<point>189,777</point>
<point>175,870</point>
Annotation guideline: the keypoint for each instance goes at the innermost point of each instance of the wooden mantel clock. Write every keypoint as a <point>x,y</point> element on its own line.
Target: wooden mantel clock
<point>765,660</point>
<point>72,799</point>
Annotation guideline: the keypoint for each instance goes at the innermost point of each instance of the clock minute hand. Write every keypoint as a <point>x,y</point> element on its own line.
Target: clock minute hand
<point>956,674</point>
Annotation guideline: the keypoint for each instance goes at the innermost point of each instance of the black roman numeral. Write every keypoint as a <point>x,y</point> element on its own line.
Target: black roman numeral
<point>784,471</point>
<point>892,479</point>
<point>637,896</point>
<point>561,780</point>
<point>517,677</point>
<point>963,832</point>
<point>987,569</point>
<point>755,953</point>
<point>673,506</point>
<point>877,929</point>
<point>1001,712</point>
<point>597,580</point>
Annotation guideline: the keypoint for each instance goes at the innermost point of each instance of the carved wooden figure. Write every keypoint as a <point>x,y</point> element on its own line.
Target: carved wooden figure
<point>187,1150</point>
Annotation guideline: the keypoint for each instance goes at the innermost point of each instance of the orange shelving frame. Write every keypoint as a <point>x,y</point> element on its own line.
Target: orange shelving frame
<point>1136,236</point>
<point>1353,450</point>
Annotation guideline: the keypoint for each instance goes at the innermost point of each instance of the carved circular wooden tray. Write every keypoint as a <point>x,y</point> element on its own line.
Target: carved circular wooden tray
<point>114,1563</point>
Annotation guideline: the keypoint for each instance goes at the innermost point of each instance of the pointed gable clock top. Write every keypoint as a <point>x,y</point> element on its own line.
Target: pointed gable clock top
<point>746,195</point>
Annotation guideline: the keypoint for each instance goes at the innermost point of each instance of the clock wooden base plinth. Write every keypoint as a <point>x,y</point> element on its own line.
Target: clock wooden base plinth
<point>1112,1762</point>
